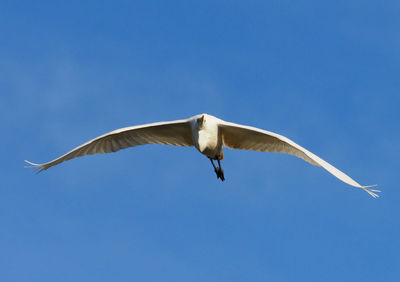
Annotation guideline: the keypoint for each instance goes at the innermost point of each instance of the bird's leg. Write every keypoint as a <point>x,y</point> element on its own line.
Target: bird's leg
<point>220,170</point>
<point>215,168</point>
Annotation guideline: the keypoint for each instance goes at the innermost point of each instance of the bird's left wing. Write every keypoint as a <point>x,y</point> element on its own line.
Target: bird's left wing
<point>244,137</point>
<point>176,133</point>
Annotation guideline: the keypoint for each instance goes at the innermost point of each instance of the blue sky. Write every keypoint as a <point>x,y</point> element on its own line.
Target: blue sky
<point>325,75</point>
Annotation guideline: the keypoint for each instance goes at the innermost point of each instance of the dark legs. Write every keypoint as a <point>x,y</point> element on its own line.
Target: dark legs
<point>221,171</point>
<point>218,170</point>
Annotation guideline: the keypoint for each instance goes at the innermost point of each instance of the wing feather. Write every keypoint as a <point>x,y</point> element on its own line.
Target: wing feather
<point>176,133</point>
<point>244,137</point>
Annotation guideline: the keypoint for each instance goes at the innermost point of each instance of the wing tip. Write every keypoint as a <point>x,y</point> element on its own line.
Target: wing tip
<point>372,192</point>
<point>37,167</point>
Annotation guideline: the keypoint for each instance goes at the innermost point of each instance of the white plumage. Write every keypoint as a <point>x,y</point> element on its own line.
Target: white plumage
<point>209,135</point>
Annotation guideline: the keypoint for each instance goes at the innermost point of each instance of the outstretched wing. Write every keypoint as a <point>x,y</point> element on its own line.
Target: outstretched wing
<point>243,137</point>
<point>176,133</point>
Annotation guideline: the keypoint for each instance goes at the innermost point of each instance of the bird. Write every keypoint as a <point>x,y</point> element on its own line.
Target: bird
<point>208,134</point>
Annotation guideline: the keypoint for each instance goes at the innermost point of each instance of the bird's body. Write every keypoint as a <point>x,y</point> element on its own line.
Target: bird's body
<point>209,135</point>
<point>206,136</point>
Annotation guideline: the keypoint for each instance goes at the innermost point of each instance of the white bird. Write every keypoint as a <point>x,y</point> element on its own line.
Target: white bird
<point>209,135</point>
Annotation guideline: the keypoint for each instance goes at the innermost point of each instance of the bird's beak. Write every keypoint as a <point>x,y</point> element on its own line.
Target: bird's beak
<point>202,119</point>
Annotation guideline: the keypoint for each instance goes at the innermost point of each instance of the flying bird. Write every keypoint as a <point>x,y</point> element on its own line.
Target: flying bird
<point>209,135</point>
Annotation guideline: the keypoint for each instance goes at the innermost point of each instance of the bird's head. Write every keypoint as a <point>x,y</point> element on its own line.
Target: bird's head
<point>200,121</point>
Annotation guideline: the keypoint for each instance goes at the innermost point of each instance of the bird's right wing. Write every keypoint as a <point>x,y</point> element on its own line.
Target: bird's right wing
<point>244,137</point>
<point>176,133</point>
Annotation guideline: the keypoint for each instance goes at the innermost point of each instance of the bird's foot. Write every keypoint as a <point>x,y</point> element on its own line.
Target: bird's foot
<point>220,173</point>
